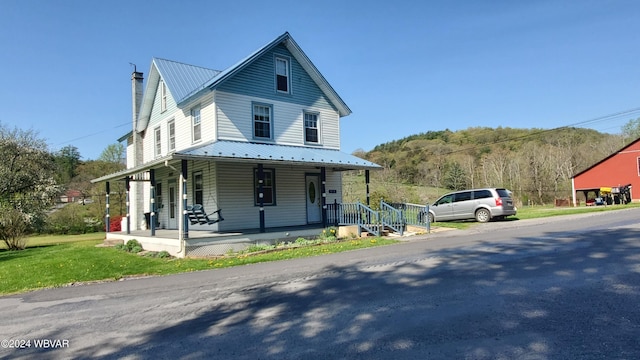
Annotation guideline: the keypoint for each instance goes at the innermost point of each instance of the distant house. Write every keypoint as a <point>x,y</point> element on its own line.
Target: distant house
<point>259,141</point>
<point>70,196</point>
<point>614,177</point>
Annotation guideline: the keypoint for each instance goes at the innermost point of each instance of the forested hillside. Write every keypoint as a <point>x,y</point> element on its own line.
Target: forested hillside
<point>536,164</point>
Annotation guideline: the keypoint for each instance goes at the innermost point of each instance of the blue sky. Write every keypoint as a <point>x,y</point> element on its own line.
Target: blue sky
<point>402,66</point>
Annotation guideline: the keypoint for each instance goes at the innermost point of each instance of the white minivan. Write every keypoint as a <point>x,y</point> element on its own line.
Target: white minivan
<point>480,204</point>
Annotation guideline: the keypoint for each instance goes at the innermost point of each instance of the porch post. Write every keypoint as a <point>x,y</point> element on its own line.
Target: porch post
<point>261,196</point>
<point>185,216</point>
<point>127,182</point>
<point>366,180</point>
<point>323,190</point>
<point>107,217</point>
<point>152,202</point>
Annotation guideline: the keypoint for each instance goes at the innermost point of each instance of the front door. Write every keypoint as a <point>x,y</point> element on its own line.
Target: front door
<point>314,204</point>
<point>173,205</point>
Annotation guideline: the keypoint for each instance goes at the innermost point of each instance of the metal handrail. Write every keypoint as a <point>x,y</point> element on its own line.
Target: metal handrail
<point>392,218</point>
<point>368,220</point>
<point>394,215</point>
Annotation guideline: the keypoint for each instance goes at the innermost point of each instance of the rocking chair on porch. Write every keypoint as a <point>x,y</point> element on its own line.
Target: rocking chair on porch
<point>198,216</point>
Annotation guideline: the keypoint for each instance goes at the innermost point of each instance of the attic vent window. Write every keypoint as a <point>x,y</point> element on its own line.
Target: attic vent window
<point>282,74</point>
<point>163,96</point>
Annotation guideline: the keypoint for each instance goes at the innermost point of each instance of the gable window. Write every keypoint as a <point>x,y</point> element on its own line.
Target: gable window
<point>282,74</point>
<point>196,125</point>
<point>163,96</point>
<point>311,127</point>
<point>198,188</point>
<point>261,121</point>
<point>172,135</point>
<point>268,187</point>
<point>639,166</point>
<point>158,141</point>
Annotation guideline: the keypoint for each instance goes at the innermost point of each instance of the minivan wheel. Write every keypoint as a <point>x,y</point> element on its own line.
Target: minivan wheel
<point>430,217</point>
<point>483,215</point>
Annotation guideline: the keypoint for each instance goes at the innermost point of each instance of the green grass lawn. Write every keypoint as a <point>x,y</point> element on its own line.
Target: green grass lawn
<point>54,261</point>
<point>59,260</point>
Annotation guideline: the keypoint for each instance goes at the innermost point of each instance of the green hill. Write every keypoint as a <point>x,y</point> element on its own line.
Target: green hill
<point>537,164</point>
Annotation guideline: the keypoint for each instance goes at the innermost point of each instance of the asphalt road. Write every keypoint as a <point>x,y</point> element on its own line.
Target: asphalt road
<point>558,288</point>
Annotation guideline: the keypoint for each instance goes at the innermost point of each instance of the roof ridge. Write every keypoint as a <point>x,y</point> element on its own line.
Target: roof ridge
<point>184,63</point>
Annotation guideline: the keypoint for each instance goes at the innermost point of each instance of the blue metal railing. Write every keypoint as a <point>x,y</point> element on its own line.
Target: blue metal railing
<point>369,220</point>
<point>395,216</point>
<point>391,217</point>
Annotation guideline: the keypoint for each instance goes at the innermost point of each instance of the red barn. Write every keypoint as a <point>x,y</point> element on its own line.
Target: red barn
<point>612,178</point>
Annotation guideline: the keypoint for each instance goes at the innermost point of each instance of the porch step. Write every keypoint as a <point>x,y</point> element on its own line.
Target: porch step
<point>112,242</point>
<point>365,233</point>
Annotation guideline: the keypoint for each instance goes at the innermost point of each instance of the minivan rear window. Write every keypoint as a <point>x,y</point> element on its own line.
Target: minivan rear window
<point>503,193</point>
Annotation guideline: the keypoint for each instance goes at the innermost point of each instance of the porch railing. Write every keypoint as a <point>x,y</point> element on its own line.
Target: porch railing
<point>354,214</point>
<point>395,216</point>
<point>391,218</point>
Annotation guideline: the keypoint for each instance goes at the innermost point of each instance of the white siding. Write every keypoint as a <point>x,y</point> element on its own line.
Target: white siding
<point>182,118</point>
<point>230,187</point>
<point>234,115</point>
<point>236,196</point>
<point>334,182</point>
<point>209,196</point>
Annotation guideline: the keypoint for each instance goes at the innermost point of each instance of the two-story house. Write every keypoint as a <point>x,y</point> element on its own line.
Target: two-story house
<point>259,141</point>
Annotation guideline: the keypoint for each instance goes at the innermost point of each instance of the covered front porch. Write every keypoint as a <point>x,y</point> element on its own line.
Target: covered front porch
<point>250,193</point>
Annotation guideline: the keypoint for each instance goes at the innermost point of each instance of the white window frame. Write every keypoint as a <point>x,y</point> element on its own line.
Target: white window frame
<point>157,137</point>
<point>258,117</point>
<point>309,124</point>
<point>163,96</point>
<point>171,135</point>
<point>278,73</point>
<point>196,124</point>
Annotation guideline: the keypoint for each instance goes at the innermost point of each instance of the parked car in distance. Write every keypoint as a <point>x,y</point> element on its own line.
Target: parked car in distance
<point>479,204</point>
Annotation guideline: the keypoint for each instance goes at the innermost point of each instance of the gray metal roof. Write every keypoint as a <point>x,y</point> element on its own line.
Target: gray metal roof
<point>301,155</point>
<point>236,151</point>
<point>183,79</point>
<point>221,76</point>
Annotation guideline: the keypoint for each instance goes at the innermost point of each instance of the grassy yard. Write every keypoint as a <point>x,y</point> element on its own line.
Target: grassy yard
<point>54,261</point>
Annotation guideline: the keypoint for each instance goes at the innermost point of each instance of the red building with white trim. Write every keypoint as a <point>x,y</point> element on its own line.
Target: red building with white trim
<point>620,169</point>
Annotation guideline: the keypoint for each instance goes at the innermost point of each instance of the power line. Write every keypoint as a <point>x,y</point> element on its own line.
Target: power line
<point>536,133</point>
<point>93,134</point>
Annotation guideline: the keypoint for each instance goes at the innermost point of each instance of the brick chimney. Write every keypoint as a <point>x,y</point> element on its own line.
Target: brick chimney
<point>137,190</point>
<point>136,98</point>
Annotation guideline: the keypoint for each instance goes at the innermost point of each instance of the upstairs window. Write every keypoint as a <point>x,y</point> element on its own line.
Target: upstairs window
<point>163,96</point>
<point>261,121</point>
<point>172,135</point>
<point>196,124</point>
<point>311,127</point>
<point>282,74</point>
<point>158,141</point>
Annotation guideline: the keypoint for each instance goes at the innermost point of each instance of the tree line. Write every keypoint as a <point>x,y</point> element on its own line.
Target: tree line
<point>536,164</point>
<point>33,179</point>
